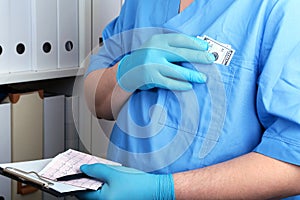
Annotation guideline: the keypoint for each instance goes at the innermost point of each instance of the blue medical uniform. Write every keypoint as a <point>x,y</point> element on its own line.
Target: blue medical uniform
<point>251,105</point>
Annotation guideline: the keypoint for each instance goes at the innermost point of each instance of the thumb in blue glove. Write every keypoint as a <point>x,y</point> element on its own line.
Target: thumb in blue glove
<point>157,63</point>
<point>127,183</point>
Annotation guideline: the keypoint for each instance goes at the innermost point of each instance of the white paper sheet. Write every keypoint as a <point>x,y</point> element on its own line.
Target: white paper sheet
<point>68,163</point>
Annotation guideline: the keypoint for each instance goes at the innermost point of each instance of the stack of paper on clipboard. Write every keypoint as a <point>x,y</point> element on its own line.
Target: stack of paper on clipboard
<point>42,174</point>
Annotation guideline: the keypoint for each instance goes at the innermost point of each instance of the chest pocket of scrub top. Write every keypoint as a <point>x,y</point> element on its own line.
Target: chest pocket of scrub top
<point>202,111</point>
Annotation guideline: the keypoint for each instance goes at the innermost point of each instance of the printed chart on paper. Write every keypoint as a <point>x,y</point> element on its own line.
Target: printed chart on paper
<point>69,163</point>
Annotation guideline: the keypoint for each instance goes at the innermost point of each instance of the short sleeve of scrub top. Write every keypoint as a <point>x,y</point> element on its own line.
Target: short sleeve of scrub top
<point>278,97</point>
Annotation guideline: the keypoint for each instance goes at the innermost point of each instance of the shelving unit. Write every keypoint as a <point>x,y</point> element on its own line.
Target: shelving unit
<point>28,76</point>
<point>93,16</point>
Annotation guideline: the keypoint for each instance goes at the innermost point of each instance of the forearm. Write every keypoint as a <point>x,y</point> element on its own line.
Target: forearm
<point>252,176</point>
<point>103,95</point>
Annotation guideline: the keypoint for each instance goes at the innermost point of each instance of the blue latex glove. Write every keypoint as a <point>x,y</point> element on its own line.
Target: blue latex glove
<point>153,65</point>
<point>127,183</point>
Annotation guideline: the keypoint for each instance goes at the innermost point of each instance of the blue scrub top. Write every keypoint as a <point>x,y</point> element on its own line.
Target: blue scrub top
<point>251,105</point>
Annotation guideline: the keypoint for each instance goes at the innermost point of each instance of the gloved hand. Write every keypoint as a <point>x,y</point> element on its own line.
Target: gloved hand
<point>127,183</point>
<point>154,64</point>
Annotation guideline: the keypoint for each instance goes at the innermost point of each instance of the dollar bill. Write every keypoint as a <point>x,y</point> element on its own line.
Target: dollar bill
<point>222,52</point>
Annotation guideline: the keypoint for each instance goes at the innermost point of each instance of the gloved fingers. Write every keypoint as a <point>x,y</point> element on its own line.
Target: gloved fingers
<point>190,55</point>
<point>173,84</point>
<point>99,171</point>
<point>168,83</point>
<point>184,41</point>
<point>177,47</point>
<point>181,73</point>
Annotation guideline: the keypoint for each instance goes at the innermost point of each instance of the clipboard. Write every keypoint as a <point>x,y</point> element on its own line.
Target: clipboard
<point>26,172</point>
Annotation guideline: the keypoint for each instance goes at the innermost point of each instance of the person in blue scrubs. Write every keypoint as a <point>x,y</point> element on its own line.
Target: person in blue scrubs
<point>186,127</point>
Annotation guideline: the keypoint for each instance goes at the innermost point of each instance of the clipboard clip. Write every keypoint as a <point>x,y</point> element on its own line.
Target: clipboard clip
<point>26,176</point>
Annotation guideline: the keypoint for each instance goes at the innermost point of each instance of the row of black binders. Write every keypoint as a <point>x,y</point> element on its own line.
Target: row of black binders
<point>34,125</point>
<point>38,35</point>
